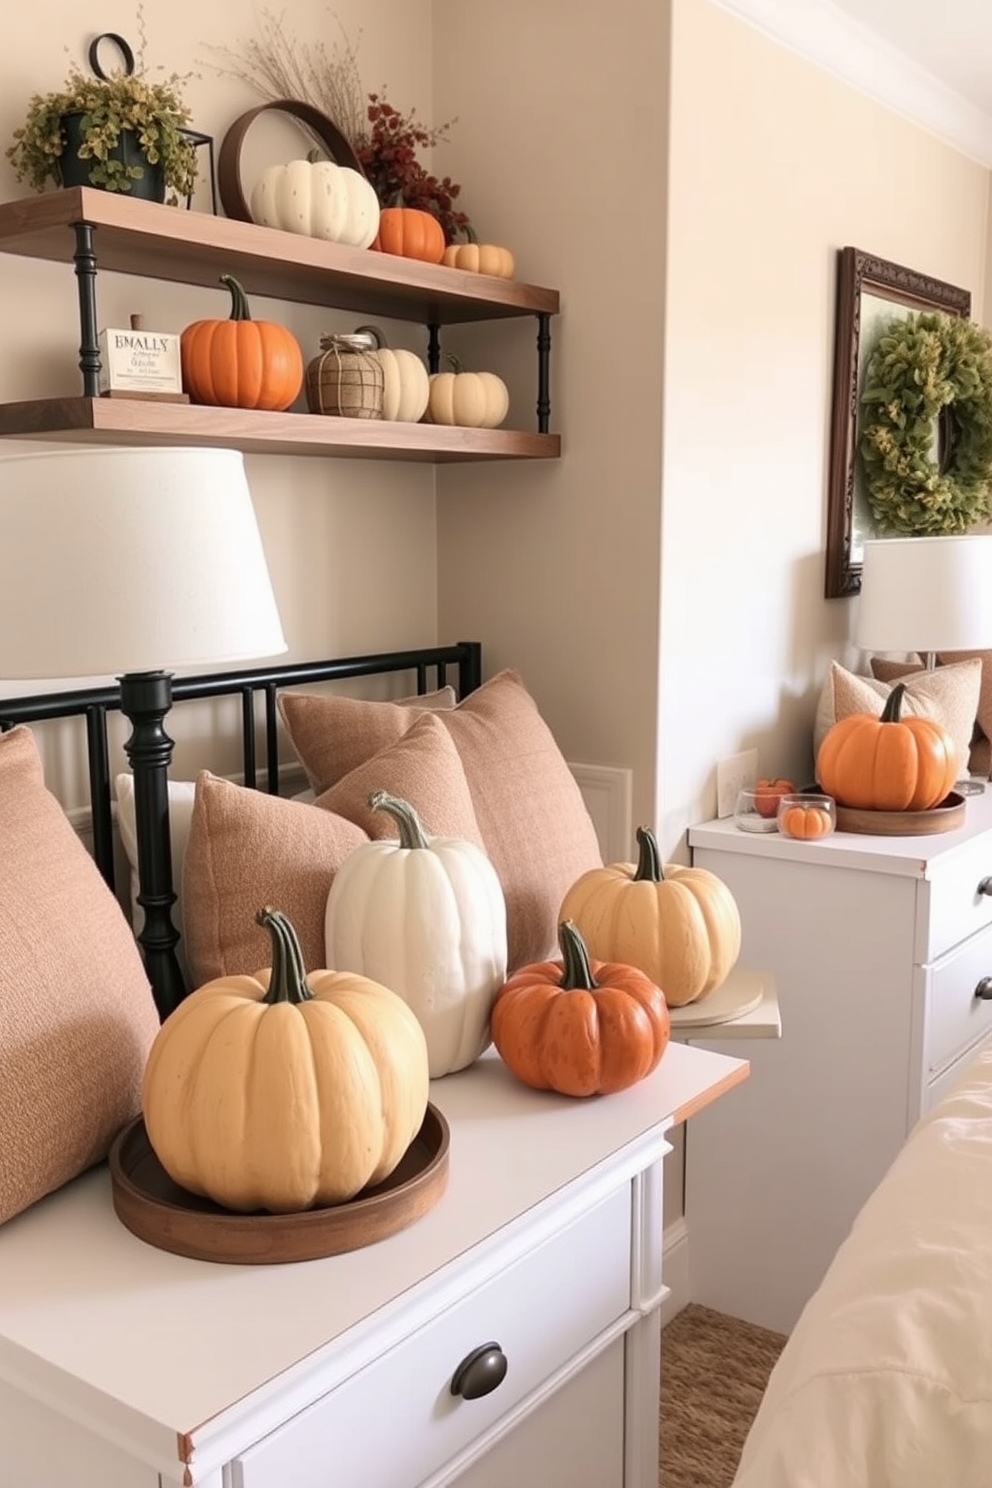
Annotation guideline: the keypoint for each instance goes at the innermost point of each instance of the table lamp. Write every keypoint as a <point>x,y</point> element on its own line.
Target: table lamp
<point>927,594</point>
<point>133,563</point>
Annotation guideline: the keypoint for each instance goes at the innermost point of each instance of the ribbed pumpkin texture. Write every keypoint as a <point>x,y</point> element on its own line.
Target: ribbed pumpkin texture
<point>410,233</point>
<point>887,763</point>
<point>240,362</point>
<point>680,925</point>
<point>282,1091</point>
<point>579,1026</point>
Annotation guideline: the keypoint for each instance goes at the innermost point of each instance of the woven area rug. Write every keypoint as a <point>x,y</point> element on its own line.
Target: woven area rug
<point>714,1370</point>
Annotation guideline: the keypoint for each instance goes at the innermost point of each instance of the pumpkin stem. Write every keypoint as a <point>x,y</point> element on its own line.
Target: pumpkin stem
<point>648,858</point>
<point>455,363</point>
<point>576,973</point>
<point>892,712</point>
<point>239,300</point>
<point>411,830</point>
<point>287,980</point>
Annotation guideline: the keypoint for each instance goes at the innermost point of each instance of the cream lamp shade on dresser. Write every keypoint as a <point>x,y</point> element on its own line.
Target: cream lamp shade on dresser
<point>926,594</point>
<point>134,562</point>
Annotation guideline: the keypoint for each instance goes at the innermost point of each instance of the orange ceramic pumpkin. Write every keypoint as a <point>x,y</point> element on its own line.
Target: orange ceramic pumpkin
<point>805,822</point>
<point>888,763</point>
<point>240,362</point>
<point>767,794</point>
<point>410,233</point>
<point>578,1026</point>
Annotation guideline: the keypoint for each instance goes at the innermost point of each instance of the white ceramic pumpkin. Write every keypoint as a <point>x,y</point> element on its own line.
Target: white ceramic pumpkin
<point>425,916</point>
<point>472,400</point>
<point>317,199</point>
<point>406,388</point>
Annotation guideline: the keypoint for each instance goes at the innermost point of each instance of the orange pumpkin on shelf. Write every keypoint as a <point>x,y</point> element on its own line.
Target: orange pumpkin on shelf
<point>768,793</point>
<point>410,233</point>
<point>887,763</point>
<point>578,1026</point>
<point>240,362</point>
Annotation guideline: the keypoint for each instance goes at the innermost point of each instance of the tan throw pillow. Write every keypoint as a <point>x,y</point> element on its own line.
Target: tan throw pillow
<point>247,849</point>
<point>77,1017</point>
<point>534,823</point>
<point>423,768</point>
<point>948,694</point>
<point>361,729</point>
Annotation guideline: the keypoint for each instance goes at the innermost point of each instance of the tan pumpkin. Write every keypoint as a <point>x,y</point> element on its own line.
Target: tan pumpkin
<point>887,763</point>
<point>480,258</point>
<point>406,384</point>
<point>282,1091</point>
<point>470,400</point>
<point>679,925</point>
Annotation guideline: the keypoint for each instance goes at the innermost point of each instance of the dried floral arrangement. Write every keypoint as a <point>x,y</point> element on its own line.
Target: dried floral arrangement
<point>387,142</point>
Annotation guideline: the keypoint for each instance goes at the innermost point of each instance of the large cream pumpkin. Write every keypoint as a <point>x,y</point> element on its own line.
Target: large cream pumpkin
<point>406,384</point>
<point>317,199</point>
<point>283,1091</point>
<point>425,915</point>
<point>679,925</point>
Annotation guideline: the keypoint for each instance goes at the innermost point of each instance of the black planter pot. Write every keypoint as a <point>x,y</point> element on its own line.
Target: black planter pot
<point>150,185</point>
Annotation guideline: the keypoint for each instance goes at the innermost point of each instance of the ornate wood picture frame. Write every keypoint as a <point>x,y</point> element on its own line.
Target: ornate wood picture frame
<point>870,291</point>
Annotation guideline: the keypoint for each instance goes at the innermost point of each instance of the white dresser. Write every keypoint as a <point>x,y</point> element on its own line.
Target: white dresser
<point>122,1366</point>
<point>881,953</point>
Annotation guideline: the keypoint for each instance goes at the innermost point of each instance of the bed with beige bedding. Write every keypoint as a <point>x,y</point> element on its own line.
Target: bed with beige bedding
<point>886,1380</point>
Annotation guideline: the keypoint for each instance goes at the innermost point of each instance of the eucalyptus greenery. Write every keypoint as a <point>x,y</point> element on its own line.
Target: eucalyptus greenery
<point>154,111</point>
<point>928,372</point>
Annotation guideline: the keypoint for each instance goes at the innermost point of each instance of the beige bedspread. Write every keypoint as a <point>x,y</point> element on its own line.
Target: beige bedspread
<point>886,1381</point>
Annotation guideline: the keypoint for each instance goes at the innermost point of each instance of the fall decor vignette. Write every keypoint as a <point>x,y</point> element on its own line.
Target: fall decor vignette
<point>388,142</point>
<point>679,925</point>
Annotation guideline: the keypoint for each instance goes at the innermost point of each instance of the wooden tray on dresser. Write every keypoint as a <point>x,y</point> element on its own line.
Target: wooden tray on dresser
<point>946,817</point>
<point>153,1207</point>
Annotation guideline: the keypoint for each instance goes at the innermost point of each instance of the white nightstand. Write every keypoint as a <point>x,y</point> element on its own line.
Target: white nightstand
<point>880,949</point>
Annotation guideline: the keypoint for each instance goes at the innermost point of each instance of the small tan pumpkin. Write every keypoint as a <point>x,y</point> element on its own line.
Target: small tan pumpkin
<point>680,925</point>
<point>480,258</point>
<point>470,400</point>
<point>282,1091</point>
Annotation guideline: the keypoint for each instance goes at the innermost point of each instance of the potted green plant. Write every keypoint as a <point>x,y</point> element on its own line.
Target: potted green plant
<point>120,133</point>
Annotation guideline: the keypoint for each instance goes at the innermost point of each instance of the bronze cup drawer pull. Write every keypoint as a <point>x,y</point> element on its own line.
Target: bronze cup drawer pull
<point>985,887</point>
<point>479,1372</point>
<point>984,989</point>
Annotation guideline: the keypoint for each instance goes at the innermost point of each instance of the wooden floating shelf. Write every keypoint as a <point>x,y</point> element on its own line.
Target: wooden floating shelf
<point>132,422</point>
<point>160,242</point>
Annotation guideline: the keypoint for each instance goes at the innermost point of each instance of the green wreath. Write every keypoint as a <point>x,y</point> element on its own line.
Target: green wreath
<point>926,429</point>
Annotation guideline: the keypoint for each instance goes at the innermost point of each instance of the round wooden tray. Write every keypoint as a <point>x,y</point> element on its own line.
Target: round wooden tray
<point>943,818</point>
<point>151,1206</point>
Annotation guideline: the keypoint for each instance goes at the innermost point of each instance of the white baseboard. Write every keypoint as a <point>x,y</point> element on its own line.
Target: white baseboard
<point>675,1268</point>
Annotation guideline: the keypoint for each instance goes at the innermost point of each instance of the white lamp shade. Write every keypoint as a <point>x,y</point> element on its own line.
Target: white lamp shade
<point>129,560</point>
<point>926,594</point>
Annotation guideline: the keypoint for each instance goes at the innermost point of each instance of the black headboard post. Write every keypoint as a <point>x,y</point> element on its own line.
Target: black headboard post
<point>146,698</point>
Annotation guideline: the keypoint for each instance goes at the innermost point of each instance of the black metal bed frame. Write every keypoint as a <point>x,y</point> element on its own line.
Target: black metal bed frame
<point>149,750</point>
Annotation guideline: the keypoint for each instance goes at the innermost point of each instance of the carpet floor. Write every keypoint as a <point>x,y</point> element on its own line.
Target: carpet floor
<point>714,1370</point>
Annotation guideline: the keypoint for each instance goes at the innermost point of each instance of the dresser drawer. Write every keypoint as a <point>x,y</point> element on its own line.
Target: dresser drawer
<point>957,908</point>
<point>396,1422</point>
<point>955,1015</point>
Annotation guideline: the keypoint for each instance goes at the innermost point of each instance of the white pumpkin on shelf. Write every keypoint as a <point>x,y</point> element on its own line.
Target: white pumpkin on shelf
<point>426,917</point>
<point>406,384</point>
<point>317,199</point>
<point>471,400</point>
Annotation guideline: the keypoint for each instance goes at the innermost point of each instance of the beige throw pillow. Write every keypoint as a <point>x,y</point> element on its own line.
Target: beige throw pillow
<point>77,1017</point>
<point>534,823</point>
<point>247,849</point>
<point>948,694</point>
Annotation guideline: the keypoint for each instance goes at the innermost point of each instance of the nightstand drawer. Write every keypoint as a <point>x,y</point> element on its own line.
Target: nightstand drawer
<point>957,907</point>
<point>956,1016</point>
<point>397,1421</point>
